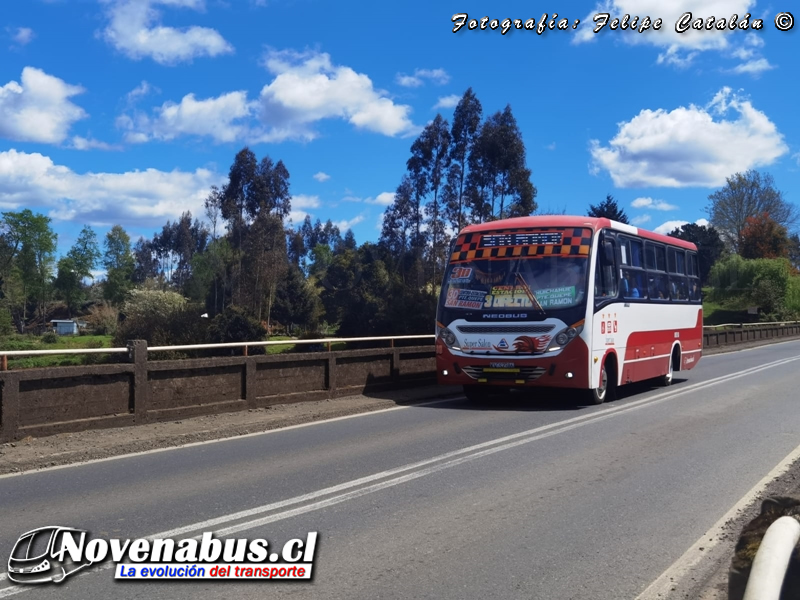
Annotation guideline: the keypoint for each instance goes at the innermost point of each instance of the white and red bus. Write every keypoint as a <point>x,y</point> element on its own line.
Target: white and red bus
<point>567,302</point>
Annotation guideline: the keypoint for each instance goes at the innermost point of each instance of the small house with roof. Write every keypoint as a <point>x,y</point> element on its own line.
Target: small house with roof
<point>65,327</point>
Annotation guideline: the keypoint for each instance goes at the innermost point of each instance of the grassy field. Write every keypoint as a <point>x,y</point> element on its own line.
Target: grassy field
<point>30,342</point>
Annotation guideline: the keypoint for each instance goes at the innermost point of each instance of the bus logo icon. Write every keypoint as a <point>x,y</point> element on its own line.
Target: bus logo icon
<point>39,556</point>
<point>503,344</point>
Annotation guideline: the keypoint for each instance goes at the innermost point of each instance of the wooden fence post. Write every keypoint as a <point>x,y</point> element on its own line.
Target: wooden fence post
<point>9,407</point>
<point>137,354</point>
<point>250,367</point>
<point>331,375</point>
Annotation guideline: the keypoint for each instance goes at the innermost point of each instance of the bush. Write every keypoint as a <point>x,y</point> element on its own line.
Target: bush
<point>49,337</point>
<point>182,327</point>
<point>311,335</point>
<point>764,282</point>
<point>235,325</point>
<point>6,322</point>
<point>93,359</point>
<point>102,319</point>
<point>152,303</point>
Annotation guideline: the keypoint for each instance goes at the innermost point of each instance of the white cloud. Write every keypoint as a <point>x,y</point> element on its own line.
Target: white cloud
<point>140,91</point>
<point>23,35</point>
<point>551,146</point>
<point>673,57</point>
<point>437,76</point>
<point>382,199</point>
<point>667,227</point>
<point>679,49</point>
<point>447,101</point>
<point>135,29</point>
<point>688,147</point>
<point>82,143</point>
<point>297,216</point>
<point>39,109</point>
<point>144,198</point>
<point>640,220</point>
<point>308,87</point>
<point>797,158</point>
<point>652,204</point>
<point>753,67</point>
<point>305,201</point>
<point>749,47</point>
<point>220,118</point>
<point>344,225</point>
<point>321,176</point>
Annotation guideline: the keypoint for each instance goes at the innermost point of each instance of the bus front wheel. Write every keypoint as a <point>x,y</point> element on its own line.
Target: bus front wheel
<point>604,391</point>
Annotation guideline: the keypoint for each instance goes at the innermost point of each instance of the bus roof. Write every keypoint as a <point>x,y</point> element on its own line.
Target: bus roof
<point>595,223</point>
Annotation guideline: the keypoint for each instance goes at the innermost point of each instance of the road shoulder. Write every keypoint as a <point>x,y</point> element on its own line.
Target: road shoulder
<point>31,454</point>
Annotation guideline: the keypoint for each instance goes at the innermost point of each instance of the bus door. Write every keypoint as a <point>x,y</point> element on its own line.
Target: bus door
<point>605,328</point>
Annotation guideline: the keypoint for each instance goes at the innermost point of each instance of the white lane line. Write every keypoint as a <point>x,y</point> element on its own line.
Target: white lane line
<point>690,559</point>
<point>226,439</point>
<point>452,454</point>
<point>425,467</point>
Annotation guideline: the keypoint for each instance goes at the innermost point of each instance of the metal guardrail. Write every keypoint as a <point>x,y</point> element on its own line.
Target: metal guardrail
<point>743,325</point>
<point>5,354</point>
<point>772,560</point>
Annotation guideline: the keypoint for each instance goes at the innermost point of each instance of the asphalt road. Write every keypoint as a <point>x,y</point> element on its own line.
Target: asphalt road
<point>515,498</point>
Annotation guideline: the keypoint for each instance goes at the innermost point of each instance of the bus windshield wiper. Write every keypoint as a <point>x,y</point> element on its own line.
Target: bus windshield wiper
<point>528,292</point>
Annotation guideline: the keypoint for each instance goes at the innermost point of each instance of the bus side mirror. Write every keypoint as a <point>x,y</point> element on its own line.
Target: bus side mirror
<point>608,253</point>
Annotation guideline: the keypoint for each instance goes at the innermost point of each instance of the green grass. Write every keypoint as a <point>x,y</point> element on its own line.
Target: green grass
<point>722,312</point>
<point>279,348</point>
<point>63,342</point>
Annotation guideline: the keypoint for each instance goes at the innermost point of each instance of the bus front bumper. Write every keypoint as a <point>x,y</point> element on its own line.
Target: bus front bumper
<point>569,368</point>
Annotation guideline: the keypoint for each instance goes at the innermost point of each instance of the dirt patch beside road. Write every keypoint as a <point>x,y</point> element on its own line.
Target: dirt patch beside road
<point>68,448</point>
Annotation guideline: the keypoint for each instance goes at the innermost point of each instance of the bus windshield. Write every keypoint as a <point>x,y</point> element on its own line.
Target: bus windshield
<point>538,284</point>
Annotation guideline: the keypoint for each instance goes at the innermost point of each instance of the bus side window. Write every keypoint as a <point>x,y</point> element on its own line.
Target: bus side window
<point>636,254</point>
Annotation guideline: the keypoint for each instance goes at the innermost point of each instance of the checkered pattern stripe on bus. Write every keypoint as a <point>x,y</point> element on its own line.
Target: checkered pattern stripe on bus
<point>574,242</point>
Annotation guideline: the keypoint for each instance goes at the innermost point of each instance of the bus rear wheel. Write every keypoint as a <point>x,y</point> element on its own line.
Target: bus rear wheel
<point>666,380</point>
<point>476,393</point>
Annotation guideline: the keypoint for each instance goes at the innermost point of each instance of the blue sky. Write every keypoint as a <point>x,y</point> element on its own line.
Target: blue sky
<point>127,111</point>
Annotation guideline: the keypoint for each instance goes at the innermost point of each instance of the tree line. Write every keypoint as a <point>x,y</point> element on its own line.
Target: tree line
<point>242,262</point>
<point>242,257</point>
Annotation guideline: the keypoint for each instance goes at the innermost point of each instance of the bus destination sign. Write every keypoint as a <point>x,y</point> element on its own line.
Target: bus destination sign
<point>504,240</point>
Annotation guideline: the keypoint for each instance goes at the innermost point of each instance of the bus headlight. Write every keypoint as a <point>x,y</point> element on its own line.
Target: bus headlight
<point>565,336</point>
<point>448,337</point>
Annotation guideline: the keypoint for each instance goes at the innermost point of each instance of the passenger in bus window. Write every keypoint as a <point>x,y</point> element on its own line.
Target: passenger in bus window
<point>694,290</point>
<point>658,289</point>
<point>629,287</point>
